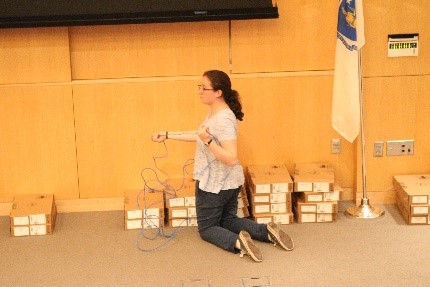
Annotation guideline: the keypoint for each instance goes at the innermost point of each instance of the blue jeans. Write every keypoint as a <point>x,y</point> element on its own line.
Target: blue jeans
<point>218,222</point>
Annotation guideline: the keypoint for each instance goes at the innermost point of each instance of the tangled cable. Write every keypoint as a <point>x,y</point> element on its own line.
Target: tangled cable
<point>152,229</point>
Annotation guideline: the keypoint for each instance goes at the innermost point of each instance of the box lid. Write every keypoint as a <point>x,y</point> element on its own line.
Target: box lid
<point>140,199</point>
<point>314,172</point>
<point>32,204</point>
<point>265,174</point>
<point>417,184</point>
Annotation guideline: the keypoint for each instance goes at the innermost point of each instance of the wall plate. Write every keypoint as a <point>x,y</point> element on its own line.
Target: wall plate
<point>336,146</point>
<point>378,148</point>
<point>400,147</point>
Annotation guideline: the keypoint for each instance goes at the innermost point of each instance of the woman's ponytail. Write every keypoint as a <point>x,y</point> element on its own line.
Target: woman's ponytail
<point>233,101</point>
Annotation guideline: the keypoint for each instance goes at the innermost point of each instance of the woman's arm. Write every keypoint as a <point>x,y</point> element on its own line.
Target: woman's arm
<point>226,151</point>
<point>181,136</point>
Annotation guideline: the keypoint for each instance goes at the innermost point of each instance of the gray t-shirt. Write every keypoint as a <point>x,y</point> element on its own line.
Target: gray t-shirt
<point>212,174</point>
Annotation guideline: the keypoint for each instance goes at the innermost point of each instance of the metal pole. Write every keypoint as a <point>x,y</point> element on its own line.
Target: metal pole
<point>364,210</point>
<point>363,158</point>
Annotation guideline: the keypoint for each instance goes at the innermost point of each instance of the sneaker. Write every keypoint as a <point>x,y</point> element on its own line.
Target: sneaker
<point>248,247</point>
<point>278,236</point>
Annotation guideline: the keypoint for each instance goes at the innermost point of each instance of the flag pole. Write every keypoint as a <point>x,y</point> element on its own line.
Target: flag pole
<point>364,210</point>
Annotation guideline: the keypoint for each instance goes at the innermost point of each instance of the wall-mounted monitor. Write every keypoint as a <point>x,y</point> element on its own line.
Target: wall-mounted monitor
<point>49,13</point>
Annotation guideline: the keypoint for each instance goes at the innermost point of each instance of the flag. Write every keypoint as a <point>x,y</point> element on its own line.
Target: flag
<point>345,117</point>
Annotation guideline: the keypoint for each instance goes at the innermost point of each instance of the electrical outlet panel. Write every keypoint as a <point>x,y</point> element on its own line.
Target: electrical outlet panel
<point>378,148</point>
<point>400,147</point>
<point>335,145</point>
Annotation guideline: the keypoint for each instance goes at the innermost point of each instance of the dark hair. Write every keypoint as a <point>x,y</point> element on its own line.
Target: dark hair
<point>221,81</point>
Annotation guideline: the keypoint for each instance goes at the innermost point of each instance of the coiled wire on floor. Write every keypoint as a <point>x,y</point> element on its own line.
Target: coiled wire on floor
<point>150,234</point>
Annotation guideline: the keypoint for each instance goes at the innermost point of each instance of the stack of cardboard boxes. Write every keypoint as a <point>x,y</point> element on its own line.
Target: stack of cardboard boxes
<point>181,202</point>
<point>171,203</point>
<point>413,197</point>
<point>268,195</point>
<point>269,189</point>
<point>33,215</point>
<point>315,194</point>
<point>143,209</point>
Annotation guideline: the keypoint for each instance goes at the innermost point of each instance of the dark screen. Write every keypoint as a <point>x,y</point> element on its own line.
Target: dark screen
<point>23,13</point>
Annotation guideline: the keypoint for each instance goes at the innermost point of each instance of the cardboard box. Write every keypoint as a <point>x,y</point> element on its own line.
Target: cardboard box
<point>413,189</point>
<point>319,196</point>
<point>242,212</point>
<point>314,177</point>
<point>243,193</point>
<point>29,230</point>
<point>314,217</point>
<point>178,212</point>
<point>260,208</point>
<point>282,207</point>
<point>284,197</point>
<point>144,223</point>
<point>269,179</point>
<point>33,215</point>
<point>180,193</point>
<point>325,211</point>
<point>316,207</point>
<point>242,199</point>
<point>419,209</point>
<point>271,198</point>
<point>312,168</point>
<point>405,210</point>
<point>143,209</point>
<point>181,213</point>
<point>192,221</point>
<point>242,202</point>
<point>269,191</point>
<point>181,222</point>
<point>192,212</point>
<point>260,198</point>
<point>281,218</point>
<point>181,203</point>
<point>141,199</point>
<point>413,197</point>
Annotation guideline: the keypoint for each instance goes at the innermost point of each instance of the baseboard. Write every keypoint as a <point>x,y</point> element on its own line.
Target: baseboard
<point>346,194</point>
<point>90,204</point>
<point>77,205</point>
<point>377,197</point>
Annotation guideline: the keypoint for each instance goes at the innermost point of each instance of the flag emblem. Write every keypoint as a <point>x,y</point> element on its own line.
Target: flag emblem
<point>346,24</point>
<point>346,20</point>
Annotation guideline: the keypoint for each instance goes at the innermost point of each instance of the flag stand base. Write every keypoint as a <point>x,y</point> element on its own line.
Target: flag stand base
<point>364,210</point>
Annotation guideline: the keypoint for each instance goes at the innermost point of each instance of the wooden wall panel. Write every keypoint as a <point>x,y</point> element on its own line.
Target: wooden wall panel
<point>148,50</point>
<point>34,55</point>
<point>37,147</point>
<point>287,120</point>
<point>303,38</point>
<point>395,17</point>
<point>114,125</point>
<point>396,108</point>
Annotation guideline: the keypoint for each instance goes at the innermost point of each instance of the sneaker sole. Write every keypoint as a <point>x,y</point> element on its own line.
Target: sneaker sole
<point>281,237</point>
<point>244,238</point>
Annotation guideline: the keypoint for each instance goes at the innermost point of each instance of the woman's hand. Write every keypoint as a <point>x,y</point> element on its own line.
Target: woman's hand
<point>159,137</point>
<point>204,134</point>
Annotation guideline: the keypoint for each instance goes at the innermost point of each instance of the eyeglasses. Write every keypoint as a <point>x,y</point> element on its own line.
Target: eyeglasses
<point>202,88</point>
